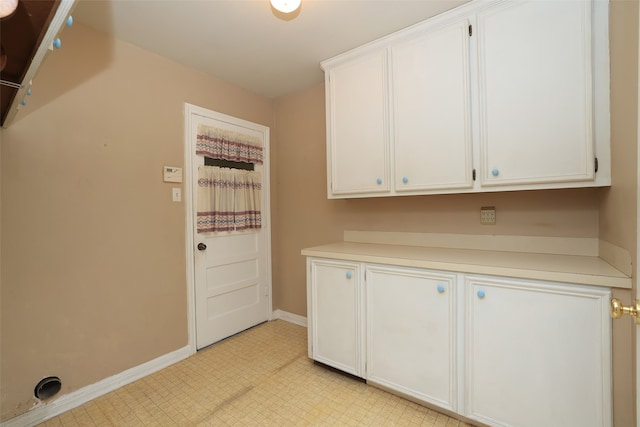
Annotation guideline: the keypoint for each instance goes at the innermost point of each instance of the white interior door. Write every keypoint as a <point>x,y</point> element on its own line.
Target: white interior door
<point>231,270</point>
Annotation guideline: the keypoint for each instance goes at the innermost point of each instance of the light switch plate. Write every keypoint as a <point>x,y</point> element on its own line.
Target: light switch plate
<point>176,194</point>
<point>172,174</point>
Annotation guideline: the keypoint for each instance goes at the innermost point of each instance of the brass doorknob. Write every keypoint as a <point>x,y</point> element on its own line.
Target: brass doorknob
<point>617,309</point>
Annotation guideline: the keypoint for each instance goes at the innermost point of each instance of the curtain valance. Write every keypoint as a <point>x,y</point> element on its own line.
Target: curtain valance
<point>228,145</point>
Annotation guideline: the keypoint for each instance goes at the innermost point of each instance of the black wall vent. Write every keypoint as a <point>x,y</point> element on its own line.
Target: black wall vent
<point>47,388</point>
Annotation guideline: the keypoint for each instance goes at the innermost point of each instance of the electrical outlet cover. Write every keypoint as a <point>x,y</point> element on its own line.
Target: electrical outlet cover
<point>488,215</point>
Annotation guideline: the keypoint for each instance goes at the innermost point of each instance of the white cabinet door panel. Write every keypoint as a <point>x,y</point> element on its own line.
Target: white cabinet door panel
<point>535,92</point>
<point>358,126</point>
<point>410,332</point>
<point>537,355</point>
<point>336,314</point>
<point>432,110</point>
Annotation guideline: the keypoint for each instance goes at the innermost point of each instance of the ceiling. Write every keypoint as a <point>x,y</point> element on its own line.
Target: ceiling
<point>248,43</point>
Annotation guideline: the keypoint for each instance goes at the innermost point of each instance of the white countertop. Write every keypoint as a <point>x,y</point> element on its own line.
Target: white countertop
<point>578,269</point>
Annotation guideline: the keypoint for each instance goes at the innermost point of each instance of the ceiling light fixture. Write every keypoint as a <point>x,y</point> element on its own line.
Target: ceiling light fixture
<point>7,7</point>
<point>285,6</point>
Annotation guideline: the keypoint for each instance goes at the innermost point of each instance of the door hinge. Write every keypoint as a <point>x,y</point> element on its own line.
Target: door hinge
<point>473,174</point>
<point>470,30</point>
<point>596,164</point>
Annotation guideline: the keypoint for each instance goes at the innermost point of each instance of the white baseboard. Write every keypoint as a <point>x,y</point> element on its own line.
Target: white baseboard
<point>290,317</point>
<point>45,411</point>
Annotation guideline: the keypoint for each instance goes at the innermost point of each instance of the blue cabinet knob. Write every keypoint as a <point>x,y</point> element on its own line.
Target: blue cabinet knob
<point>405,179</point>
<point>349,275</point>
<point>57,43</point>
<point>69,21</point>
<point>495,172</point>
<point>440,288</point>
<point>481,293</point>
<point>379,181</point>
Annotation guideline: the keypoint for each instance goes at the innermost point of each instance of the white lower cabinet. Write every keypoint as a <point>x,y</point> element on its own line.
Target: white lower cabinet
<point>501,351</point>
<point>335,323</point>
<point>411,332</point>
<point>537,354</point>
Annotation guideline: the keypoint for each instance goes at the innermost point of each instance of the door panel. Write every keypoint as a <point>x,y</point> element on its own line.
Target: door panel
<point>336,315</point>
<point>358,116</point>
<point>410,332</point>
<point>432,110</point>
<point>535,93</point>
<point>537,354</point>
<point>232,276</point>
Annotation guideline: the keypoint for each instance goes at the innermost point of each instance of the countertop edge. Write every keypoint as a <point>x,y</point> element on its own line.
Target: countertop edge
<point>566,276</point>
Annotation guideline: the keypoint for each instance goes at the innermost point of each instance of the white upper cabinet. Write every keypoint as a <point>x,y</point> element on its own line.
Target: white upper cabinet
<point>432,110</point>
<point>535,92</point>
<point>494,95</point>
<point>357,126</point>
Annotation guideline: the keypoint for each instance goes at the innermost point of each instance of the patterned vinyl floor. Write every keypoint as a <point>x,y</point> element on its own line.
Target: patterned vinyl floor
<point>260,377</point>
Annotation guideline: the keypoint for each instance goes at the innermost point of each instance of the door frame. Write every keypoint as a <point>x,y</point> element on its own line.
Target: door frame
<point>191,110</point>
<point>637,286</point>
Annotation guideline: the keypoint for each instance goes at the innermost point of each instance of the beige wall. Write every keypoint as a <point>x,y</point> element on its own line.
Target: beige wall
<point>93,256</point>
<point>618,207</point>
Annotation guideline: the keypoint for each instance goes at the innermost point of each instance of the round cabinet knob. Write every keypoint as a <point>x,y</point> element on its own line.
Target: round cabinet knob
<point>405,179</point>
<point>495,172</point>
<point>349,275</point>
<point>57,43</point>
<point>379,181</point>
<point>202,246</point>
<point>481,293</point>
<point>440,288</point>
<point>69,21</point>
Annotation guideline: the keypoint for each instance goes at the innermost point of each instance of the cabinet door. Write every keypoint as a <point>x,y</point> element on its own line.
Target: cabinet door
<point>535,92</point>
<point>537,355</point>
<point>335,327</point>
<point>410,332</point>
<point>358,120</point>
<point>431,110</point>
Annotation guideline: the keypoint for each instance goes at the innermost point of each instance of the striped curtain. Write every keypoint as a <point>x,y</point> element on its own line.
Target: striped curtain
<point>228,200</point>
<point>227,145</point>
<point>248,192</point>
